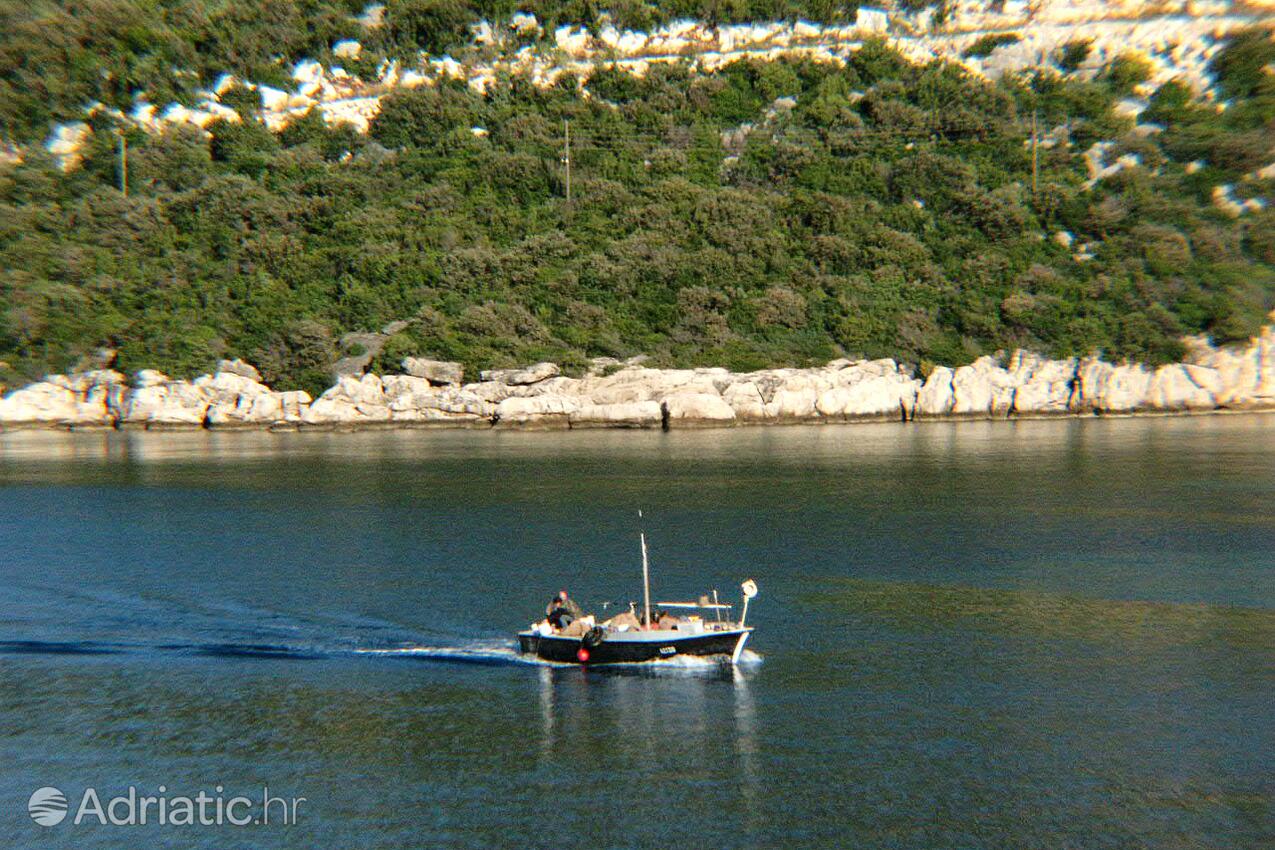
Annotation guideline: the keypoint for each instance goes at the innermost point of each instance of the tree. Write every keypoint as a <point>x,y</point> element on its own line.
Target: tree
<point>431,25</point>
<point>1241,66</point>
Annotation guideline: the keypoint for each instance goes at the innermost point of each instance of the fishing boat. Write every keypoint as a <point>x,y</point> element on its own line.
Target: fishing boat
<point>655,633</point>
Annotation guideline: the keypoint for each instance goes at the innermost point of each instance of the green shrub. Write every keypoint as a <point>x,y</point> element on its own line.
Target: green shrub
<point>983,47</point>
<point>1126,72</point>
<point>1074,53</point>
<point>1241,66</point>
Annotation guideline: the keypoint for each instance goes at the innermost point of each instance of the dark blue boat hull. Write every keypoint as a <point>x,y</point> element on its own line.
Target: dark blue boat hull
<point>567,649</point>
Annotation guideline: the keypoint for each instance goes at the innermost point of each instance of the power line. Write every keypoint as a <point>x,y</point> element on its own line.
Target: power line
<point>631,141</point>
<point>1035,157</point>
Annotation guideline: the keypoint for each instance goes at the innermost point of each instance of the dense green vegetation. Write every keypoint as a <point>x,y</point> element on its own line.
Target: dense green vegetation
<point>879,209</point>
<point>985,45</point>
<point>58,55</point>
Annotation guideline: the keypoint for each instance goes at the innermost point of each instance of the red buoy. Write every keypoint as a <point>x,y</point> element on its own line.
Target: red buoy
<point>582,654</point>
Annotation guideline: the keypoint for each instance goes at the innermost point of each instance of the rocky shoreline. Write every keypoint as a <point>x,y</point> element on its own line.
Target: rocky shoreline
<point>613,394</point>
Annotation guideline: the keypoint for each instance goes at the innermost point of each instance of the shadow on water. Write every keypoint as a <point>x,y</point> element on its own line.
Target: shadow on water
<point>49,647</point>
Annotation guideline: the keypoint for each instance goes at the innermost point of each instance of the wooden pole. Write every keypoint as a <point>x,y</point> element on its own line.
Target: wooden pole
<point>566,155</point>
<point>1035,156</point>
<point>123,164</point>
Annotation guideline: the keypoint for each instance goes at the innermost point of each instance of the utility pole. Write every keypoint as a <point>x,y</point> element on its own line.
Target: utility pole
<point>566,155</point>
<point>1035,156</point>
<point>123,164</point>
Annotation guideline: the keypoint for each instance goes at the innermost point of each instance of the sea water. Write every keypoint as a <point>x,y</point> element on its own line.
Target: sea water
<point>1028,634</point>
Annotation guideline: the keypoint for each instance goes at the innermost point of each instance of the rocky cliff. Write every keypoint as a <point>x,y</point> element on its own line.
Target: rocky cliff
<point>628,395</point>
<point>1176,38</point>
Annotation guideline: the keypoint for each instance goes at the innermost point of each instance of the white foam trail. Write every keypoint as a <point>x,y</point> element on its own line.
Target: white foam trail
<point>508,654</point>
<point>747,658</point>
<point>471,652</point>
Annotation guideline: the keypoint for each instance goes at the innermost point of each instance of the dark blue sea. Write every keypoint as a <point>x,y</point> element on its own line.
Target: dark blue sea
<point>1055,634</point>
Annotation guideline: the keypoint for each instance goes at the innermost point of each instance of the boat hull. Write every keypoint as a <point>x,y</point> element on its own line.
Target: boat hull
<point>631,647</point>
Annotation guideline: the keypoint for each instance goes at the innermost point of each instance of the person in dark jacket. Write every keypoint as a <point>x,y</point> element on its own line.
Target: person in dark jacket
<point>562,610</point>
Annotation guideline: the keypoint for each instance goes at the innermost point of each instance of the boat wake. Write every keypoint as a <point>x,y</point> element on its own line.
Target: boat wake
<point>473,652</point>
<point>507,653</point>
<point>462,652</point>
<point>113,624</point>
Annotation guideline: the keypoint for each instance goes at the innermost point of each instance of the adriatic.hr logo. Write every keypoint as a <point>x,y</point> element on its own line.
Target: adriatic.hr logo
<point>47,806</point>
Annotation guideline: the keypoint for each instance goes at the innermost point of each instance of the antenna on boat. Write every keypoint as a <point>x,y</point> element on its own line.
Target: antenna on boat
<point>646,575</point>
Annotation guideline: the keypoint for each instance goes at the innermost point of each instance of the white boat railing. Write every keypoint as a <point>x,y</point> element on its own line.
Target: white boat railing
<point>713,605</point>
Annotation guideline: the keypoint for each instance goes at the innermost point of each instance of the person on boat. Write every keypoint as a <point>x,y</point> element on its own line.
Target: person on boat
<point>562,610</point>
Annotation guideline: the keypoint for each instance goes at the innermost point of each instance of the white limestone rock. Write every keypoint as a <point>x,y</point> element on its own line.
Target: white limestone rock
<point>164,404</point>
<point>1103,388</point>
<point>403,392</point>
<point>691,409</point>
<point>795,398</point>
<point>459,404</point>
<point>260,410</point>
<point>334,412</point>
<point>745,398</point>
<point>1128,388</point>
<point>100,395</point>
<point>877,397</point>
<point>935,398</point>
<point>1245,374</point>
<point>633,414</point>
<point>363,389</point>
<point>524,22</point>
<point>79,400</point>
<point>351,401</point>
<point>516,377</point>
<point>43,403</point>
<point>240,368</point>
<point>490,391</point>
<point>295,403</point>
<point>438,372</point>
<point>228,386</point>
<point>416,401</point>
<point>638,384</point>
<point>1237,377</point>
<point>251,405</point>
<point>542,411</point>
<point>1042,387</point>
<point>982,389</point>
<point>347,49</point>
<point>884,368</point>
<point>1182,387</point>
<point>149,378</point>
<point>560,385</point>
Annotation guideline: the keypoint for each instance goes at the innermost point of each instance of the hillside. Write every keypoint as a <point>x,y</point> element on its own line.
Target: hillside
<point>751,211</point>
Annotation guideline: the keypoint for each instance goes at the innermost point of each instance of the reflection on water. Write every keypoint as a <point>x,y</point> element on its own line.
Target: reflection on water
<point>676,708</point>
<point>678,723</point>
<point>747,751</point>
<point>957,443</point>
<point>548,736</point>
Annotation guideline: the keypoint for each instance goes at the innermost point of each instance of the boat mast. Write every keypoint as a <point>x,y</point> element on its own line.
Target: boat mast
<point>646,577</point>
